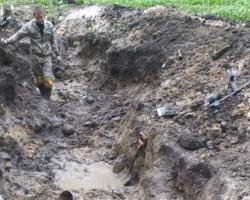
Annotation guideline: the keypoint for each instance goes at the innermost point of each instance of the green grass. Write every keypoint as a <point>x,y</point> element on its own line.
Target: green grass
<point>51,7</point>
<point>227,9</point>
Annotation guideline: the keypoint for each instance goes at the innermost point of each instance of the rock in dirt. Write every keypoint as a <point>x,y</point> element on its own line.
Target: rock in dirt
<point>189,142</point>
<point>66,195</point>
<point>210,145</point>
<point>134,62</point>
<point>90,124</point>
<point>90,100</point>
<point>37,124</point>
<point>220,52</point>
<point>68,130</point>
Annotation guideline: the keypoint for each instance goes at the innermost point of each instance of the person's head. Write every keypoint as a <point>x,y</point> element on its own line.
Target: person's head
<point>38,15</point>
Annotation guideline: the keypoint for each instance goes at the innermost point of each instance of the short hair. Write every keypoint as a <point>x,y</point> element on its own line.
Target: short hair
<point>37,10</point>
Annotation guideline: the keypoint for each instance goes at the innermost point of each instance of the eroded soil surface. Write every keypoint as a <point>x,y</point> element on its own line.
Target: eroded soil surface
<point>121,65</point>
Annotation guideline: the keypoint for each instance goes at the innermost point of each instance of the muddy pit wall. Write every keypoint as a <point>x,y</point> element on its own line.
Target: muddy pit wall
<point>14,69</point>
<point>183,58</point>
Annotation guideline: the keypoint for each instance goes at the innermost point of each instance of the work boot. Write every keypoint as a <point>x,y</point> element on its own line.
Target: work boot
<point>48,85</point>
<point>42,90</point>
<point>47,93</point>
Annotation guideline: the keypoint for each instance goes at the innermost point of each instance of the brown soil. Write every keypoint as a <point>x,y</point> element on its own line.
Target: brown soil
<point>120,66</point>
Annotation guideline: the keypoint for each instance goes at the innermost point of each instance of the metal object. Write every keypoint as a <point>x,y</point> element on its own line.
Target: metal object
<point>231,80</point>
<point>142,143</point>
<point>165,112</point>
<point>4,23</point>
<point>212,101</point>
<point>142,140</point>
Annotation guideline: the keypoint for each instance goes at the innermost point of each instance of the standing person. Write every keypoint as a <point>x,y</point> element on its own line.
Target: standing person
<point>42,46</point>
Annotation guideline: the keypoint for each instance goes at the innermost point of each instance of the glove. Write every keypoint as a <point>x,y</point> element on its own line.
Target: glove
<point>4,41</point>
<point>59,73</point>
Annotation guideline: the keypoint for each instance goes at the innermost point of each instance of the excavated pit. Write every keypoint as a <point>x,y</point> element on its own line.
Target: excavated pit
<point>122,64</point>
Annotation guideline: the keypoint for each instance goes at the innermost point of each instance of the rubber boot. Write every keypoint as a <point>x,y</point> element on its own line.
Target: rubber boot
<point>48,85</point>
<point>47,93</point>
<point>42,90</point>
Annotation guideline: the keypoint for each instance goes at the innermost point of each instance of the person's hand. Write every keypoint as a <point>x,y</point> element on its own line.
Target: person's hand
<point>4,41</point>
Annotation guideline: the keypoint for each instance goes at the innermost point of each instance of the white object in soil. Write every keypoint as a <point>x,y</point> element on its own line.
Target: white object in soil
<point>161,111</point>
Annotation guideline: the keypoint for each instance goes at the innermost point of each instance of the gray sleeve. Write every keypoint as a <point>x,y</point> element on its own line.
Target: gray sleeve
<point>53,43</point>
<point>23,32</point>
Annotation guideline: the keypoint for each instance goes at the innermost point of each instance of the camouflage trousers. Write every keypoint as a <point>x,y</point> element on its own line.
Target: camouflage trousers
<point>43,74</point>
<point>42,70</point>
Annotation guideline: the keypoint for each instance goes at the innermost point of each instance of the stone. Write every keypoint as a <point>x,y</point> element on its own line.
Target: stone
<point>116,119</point>
<point>220,52</point>
<point>90,124</point>
<point>134,62</point>
<point>59,73</point>
<point>68,130</point>
<point>189,142</point>
<point>190,115</point>
<point>37,124</point>
<point>210,145</point>
<point>234,140</point>
<point>170,61</point>
<point>66,195</point>
<point>137,105</point>
<point>248,115</point>
<point>5,156</point>
<point>90,100</point>
<point>216,129</point>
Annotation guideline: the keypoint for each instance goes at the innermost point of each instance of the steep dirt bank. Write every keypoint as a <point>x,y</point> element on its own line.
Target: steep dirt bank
<point>122,64</point>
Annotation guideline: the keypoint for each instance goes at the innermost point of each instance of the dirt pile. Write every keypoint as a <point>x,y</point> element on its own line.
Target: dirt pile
<point>120,66</point>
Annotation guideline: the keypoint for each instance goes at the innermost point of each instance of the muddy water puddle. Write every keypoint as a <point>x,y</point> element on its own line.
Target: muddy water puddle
<point>87,176</point>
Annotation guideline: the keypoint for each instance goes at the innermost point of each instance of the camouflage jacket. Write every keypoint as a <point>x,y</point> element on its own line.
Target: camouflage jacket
<point>41,45</point>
